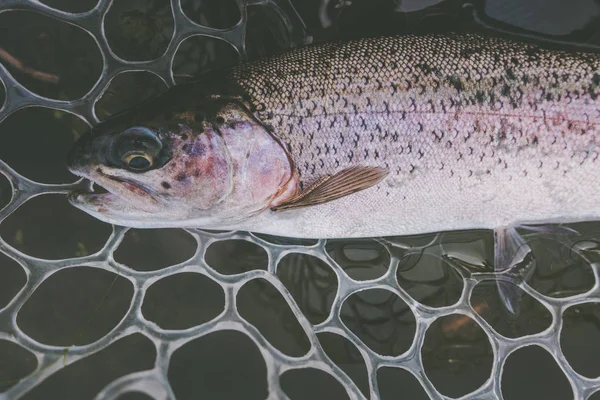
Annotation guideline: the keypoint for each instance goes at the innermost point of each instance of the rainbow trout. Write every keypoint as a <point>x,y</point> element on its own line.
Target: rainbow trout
<point>373,137</point>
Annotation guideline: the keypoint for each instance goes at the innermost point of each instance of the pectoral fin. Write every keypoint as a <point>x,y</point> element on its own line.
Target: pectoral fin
<point>332,187</point>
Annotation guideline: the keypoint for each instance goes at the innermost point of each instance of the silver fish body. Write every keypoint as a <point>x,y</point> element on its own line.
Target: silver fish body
<point>474,132</point>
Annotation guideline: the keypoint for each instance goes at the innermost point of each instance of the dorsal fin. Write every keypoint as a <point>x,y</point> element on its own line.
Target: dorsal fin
<point>332,187</point>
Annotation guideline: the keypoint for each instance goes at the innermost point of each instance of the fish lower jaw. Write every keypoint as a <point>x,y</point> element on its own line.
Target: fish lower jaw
<point>83,199</point>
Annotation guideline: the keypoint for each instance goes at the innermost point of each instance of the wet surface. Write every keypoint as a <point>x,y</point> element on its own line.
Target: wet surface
<point>16,363</point>
<point>362,260</point>
<point>135,396</point>
<point>457,355</point>
<point>30,133</point>
<point>126,90</point>
<point>2,94</point>
<point>311,282</point>
<point>381,319</point>
<point>183,300</point>
<point>393,381</point>
<point>531,373</point>
<point>80,305</point>
<point>311,383</point>
<point>346,356</point>
<point>220,14</point>
<point>13,279</point>
<point>278,325</point>
<point>5,191</point>
<point>139,30</point>
<point>49,227</point>
<point>70,5</point>
<point>48,57</point>
<point>428,276</point>
<point>207,364</point>
<point>84,378</point>
<point>152,249</point>
<point>532,318</point>
<point>86,304</point>
<point>285,241</point>
<point>561,270</point>
<point>581,324</point>
<point>193,57</point>
<point>224,257</point>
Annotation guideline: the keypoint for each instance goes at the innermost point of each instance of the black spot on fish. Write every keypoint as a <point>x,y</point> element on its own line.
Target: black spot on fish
<point>424,67</point>
<point>184,137</point>
<point>181,176</point>
<point>220,120</point>
<point>166,185</point>
<point>468,52</point>
<point>455,82</point>
<point>480,96</point>
<point>510,74</point>
<point>596,79</point>
<point>505,90</point>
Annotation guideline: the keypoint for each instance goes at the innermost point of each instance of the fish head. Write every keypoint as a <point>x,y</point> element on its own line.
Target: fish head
<point>212,164</point>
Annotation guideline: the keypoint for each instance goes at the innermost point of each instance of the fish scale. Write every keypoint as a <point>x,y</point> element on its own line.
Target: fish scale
<point>463,104</point>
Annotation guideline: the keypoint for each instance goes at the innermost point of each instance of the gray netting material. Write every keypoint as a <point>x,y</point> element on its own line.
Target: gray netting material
<point>155,382</point>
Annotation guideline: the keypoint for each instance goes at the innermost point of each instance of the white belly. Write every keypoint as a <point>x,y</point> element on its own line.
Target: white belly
<point>436,202</point>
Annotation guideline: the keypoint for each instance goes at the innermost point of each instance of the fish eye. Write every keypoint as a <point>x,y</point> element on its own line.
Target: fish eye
<point>138,161</point>
<point>136,149</point>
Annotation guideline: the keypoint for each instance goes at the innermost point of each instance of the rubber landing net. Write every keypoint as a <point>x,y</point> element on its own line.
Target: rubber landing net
<point>402,304</point>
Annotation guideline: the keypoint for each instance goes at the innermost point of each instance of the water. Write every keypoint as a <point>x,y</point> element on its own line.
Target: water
<point>374,318</point>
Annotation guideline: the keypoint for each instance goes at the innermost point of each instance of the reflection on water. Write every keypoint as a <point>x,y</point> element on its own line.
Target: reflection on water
<point>418,276</point>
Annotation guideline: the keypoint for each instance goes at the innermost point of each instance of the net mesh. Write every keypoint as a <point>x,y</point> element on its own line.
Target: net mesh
<point>424,286</point>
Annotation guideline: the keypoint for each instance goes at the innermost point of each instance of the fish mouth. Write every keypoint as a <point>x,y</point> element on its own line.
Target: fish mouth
<point>98,193</point>
<point>130,185</point>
